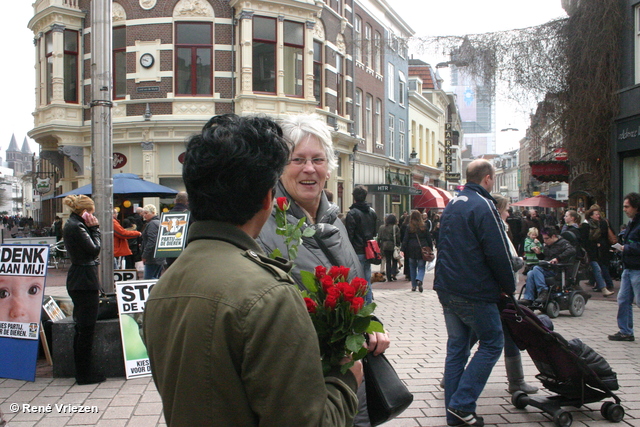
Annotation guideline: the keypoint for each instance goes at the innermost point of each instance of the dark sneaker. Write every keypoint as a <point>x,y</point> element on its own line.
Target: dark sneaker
<point>621,337</point>
<point>543,296</point>
<point>468,418</point>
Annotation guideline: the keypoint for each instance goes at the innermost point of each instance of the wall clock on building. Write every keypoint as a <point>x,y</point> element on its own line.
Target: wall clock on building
<point>147,60</point>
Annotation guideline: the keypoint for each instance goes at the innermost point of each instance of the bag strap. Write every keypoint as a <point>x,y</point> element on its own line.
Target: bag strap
<point>325,250</point>
<point>419,242</point>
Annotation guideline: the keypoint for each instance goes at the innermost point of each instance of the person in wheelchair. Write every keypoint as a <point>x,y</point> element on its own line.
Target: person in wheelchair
<point>556,250</point>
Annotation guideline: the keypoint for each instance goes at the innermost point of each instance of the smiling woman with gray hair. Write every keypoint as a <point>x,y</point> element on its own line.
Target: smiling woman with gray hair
<point>302,183</point>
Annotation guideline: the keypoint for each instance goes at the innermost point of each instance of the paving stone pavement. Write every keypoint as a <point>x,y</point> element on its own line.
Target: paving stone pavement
<point>416,325</point>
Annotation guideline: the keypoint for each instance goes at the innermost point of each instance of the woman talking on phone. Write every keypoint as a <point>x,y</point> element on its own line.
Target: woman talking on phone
<point>82,240</point>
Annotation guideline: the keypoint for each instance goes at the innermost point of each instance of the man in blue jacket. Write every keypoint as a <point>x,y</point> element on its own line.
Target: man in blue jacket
<point>630,281</point>
<point>472,270</point>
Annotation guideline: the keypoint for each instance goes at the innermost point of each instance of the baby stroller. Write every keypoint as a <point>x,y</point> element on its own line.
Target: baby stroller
<point>571,369</point>
<point>564,291</point>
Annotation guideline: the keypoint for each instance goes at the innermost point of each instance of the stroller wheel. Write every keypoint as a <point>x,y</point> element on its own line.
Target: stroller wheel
<point>562,418</point>
<point>553,309</point>
<point>520,399</point>
<point>612,412</point>
<point>576,305</point>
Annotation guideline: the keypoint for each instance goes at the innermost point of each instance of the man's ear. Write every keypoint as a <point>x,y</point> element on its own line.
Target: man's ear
<point>267,202</point>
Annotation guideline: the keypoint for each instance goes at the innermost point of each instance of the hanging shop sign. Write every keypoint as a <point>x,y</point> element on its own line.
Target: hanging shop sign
<point>550,170</point>
<point>119,160</point>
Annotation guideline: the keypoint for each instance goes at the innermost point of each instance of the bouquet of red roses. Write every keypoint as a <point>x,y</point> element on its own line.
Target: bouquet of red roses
<point>339,314</point>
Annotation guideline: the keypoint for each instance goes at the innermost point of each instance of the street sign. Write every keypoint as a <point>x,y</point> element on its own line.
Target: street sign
<point>452,176</point>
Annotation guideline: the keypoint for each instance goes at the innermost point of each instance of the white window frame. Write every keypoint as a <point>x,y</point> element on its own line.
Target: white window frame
<point>401,138</point>
<point>357,28</point>
<point>392,135</point>
<point>402,84</point>
<point>391,82</point>
<point>358,125</point>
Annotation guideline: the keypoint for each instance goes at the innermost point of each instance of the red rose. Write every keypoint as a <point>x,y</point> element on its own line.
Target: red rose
<point>320,272</point>
<point>356,304</point>
<point>334,292</point>
<point>311,305</point>
<point>360,285</point>
<point>327,283</point>
<point>283,204</point>
<point>347,290</point>
<point>331,301</point>
<point>334,272</point>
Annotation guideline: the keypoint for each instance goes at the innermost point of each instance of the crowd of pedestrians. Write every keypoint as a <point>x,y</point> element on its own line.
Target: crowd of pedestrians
<point>207,297</point>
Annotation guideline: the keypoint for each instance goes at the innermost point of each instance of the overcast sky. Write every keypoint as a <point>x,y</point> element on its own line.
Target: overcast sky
<point>425,17</point>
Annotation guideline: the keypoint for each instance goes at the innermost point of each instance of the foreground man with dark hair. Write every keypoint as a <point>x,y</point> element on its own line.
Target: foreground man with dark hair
<point>227,331</point>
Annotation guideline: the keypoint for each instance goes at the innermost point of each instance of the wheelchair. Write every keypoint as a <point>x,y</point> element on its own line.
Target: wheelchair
<point>563,292</point>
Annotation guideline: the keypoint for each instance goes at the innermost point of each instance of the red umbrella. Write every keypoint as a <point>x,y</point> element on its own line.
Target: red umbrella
<point>540,202</point>
<point>430,198</point>
<point>446,196</point>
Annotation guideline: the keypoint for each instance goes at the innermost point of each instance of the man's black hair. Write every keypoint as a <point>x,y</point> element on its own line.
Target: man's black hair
<point>551,231</point>
<point>359,193</point>
<point>634,200</point>
<point>230,167</point>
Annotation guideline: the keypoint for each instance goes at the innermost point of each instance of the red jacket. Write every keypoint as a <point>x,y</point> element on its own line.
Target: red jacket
<point>120,236</point>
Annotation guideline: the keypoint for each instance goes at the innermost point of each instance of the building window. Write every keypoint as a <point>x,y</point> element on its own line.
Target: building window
<point>357,124</point>
<point>391,82</point>
<point>368,51</point>
<point>401,87</point>
<point>119,59</point>
<point>70,66</point>
<point>369,120</point>
<point>401,139</point>
<point>264,54</point>
<point>392,135</point>
<point>378,122</point>
<point>318,62</point>
<point>194,59</point>
<point>293,64</point>
<point>49,57</point>
<point>377,52</point>
<point>357,24</point>
<point>340,83</point>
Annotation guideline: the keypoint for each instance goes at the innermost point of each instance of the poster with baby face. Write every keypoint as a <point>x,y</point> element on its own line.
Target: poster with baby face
<point>23,270</point>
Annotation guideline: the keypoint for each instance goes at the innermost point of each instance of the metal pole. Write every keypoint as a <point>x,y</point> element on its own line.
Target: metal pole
<point>101,149</point>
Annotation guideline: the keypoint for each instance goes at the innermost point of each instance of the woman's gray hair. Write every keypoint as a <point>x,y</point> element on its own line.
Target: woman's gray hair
<point>297,128</point>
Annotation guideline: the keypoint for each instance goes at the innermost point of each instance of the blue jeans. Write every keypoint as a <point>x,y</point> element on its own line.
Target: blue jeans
<point>463,318</point>
<point>536,281</point>
<point>416,271</point>
<point>629,288</point>
<point>152,271</point>
<point>597,275</point>
<point>366,266</point>
<point>606,275</point>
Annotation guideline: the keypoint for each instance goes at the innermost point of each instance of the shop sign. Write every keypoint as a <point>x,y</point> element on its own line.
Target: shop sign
<point>119,160</point>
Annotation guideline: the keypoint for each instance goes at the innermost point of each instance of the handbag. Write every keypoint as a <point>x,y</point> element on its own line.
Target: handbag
<point>372,252</point>
<point>108,306</point>
<point>396,249</point>
<point>387,396</point>
<point>427,252</point>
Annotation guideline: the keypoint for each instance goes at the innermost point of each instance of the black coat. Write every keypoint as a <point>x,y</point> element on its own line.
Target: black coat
<point>413,242</point>
<point>83,247</point>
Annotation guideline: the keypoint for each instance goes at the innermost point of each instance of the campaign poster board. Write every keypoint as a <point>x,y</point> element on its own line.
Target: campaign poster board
<point>23,270</point>
<point>132,297</point>
<point>172,234</point>
<point>125,275</point>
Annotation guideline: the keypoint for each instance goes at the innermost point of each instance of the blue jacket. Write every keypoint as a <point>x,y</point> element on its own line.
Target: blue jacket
<point>474,260</point>
<point>631,241</point>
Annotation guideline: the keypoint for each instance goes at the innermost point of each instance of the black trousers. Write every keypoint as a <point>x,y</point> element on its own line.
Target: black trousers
<point>85,314</point>
<point>391,267</point>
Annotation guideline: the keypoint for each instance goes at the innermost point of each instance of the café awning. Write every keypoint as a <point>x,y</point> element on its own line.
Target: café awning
<point>430,198</point>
